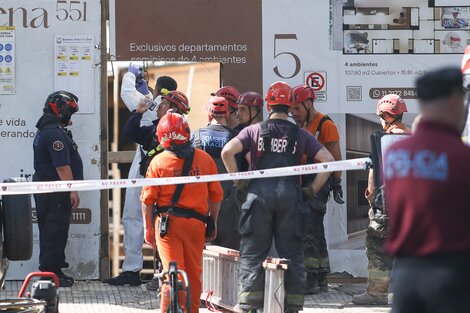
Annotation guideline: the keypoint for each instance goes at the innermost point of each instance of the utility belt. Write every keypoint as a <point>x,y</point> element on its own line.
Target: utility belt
<point>181,212</point>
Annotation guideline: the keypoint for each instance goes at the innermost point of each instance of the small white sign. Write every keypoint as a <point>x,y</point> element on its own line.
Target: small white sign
<point>73,67</point>
<point>7,60</point>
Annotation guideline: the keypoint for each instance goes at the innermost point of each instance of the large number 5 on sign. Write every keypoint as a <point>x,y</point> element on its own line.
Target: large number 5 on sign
<point>294,56</point>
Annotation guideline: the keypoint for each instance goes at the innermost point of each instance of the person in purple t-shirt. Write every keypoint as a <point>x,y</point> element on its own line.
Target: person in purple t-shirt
<point>273,207</point>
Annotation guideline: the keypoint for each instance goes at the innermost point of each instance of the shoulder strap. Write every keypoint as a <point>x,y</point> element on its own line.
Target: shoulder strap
<point>186,167</point>
<point>232,131</point>
<point>197,140</point>
<point>266,135</point>
<point>323,120</point>
<point>292,138</point>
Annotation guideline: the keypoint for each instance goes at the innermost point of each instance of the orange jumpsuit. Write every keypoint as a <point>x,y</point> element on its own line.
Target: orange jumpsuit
<point>184,241</point>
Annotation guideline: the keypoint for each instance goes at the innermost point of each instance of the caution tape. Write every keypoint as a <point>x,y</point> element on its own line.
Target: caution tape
<point>83,185</point>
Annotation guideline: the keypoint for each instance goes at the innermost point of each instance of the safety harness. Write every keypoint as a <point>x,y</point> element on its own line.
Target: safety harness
<point>266,135</point>
<point>172,209</point>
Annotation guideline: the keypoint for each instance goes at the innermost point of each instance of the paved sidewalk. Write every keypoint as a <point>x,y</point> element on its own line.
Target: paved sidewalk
<point>94,297</point>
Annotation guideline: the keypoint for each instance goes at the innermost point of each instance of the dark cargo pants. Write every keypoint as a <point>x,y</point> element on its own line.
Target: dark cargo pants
<point>272,209</point>
<point>53,213</point>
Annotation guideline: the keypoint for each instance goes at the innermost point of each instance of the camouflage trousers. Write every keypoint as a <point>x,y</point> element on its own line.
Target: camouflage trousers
<point>380,263</point>
<point>316,260</point>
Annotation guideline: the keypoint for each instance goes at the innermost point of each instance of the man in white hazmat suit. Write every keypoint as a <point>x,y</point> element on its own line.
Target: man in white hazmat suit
<point>133,89</point>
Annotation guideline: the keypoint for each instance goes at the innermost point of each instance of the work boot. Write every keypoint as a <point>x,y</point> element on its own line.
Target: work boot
<point>65,280</point>
<point>323,282</point>
<point>125,278</point>
<point>370,299</point>
<point>312,288</point>
<point>152,285</point>
<point>293,310</point>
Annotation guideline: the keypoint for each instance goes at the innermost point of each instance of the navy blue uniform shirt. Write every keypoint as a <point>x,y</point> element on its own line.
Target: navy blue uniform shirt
<point>143,135</point>
<point>54,147</point>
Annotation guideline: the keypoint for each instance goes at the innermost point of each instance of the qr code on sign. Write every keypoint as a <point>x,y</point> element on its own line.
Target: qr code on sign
<point>354,93</point>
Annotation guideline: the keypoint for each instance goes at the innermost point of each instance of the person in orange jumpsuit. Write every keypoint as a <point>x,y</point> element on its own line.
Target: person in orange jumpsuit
<point>186,228</point>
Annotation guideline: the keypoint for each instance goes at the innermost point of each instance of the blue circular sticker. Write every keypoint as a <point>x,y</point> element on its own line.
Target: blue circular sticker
<point>8,58</point>
<point>8,47</point>
<point>1,58</point>
<point>1,47</point>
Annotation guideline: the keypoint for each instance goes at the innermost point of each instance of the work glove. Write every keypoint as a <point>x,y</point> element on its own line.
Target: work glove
<point>140,83</point>
<point>335,186</point>
<point>307,193</point>
<point>137,70</point>
<point>142,87</point>
<point>311,200</point>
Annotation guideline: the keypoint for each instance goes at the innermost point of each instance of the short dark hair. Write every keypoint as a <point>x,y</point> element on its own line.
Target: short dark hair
<point>166,82</point>
<point>280,108</point>
<point>439,83</point>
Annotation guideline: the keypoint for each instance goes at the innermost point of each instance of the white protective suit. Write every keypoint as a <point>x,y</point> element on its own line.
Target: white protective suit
<point>132,214</point>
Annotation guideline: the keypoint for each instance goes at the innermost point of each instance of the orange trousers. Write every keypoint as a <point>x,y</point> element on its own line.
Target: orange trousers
<point>184,243</point>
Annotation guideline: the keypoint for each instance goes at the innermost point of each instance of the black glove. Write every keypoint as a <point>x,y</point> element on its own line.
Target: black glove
<point>335,186</point>
<point>307,193</point>
<point>242,185</point>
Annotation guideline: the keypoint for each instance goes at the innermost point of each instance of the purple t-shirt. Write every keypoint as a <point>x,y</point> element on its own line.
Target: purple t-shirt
<point>251,140</point>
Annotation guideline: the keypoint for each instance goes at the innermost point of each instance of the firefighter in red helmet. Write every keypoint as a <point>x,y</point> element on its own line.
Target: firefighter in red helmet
<point>212,139</point>
<point>178,230</point>
<point>317,264</point>
<point>273,207</point>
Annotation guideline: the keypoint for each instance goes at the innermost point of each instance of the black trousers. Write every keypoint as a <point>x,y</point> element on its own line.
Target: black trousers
<point>272,209</point>
<point>431,285</point>
<point>53,212</point>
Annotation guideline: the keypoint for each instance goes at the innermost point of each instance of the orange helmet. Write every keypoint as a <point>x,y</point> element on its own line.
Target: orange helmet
<point>230,93</point>
<point>279,93</point>
<point>251,99</point>
<point>172,129</point>
<point>391,104</point>
<point>217,106</point>
<point>302,93</point>
<point>179,99</point>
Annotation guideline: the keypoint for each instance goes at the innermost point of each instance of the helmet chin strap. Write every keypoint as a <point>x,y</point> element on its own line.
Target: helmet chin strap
<point>251,119</point>
<point>307,120</point>
<point>387,124</point>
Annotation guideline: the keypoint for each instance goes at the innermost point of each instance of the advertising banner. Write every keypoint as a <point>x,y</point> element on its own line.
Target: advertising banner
<point>37,27</point>
<point>360,50</point>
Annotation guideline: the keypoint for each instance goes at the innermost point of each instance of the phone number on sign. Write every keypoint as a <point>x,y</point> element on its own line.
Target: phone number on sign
<point>405,93</point>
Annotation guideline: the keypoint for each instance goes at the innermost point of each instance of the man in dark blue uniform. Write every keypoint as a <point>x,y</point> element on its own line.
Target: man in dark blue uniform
<point>56,157</point>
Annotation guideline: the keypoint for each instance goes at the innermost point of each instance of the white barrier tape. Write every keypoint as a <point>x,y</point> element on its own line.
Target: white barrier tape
<point>82,185</point>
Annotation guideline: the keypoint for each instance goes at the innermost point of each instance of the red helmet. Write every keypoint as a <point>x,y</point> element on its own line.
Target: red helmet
<point>179,99</point>
<point>391,104</point>
<point>279,93</point>
<point>230,93</point>
<point>251,99</point>
<point>172,129</point>
<point>217,106</point>
<point>302,93</point>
